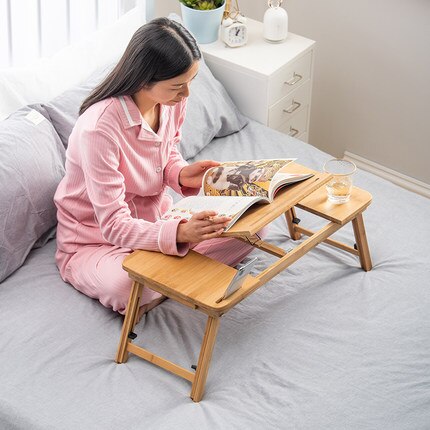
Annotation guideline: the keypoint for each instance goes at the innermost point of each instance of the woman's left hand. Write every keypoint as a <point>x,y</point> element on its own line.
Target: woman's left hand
<point>191,176</point>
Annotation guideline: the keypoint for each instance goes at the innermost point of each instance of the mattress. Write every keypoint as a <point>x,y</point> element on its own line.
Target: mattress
<point>323,345</point>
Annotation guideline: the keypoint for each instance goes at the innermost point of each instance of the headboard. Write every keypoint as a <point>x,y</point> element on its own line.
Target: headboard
<point>47,46</point>
<point>30,29</point>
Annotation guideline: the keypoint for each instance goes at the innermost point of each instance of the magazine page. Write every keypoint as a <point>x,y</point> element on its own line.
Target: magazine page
<point>282,178</point>
<point>232,207</point>
<point>242,178</point>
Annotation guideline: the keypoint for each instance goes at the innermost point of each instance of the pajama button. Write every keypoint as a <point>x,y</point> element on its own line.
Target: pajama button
<point>157,144</point>
<point>158,169</point>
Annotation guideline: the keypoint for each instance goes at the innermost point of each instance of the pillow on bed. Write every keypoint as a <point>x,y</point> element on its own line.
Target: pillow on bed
<point>10,100</point>
<point>63,110</point>
<point>31,166</point>
<point>72,65</point>
<point>210,113</point>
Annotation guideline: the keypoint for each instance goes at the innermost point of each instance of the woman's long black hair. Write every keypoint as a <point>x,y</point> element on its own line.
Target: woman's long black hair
<point>159,50</point>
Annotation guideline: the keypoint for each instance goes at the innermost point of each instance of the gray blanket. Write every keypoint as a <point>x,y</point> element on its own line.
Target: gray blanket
<point>324,345</point>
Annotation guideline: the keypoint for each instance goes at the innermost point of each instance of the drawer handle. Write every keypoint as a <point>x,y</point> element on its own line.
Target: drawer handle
<point>296,78</point>
<point>294,106</point>
<point>293,132</point>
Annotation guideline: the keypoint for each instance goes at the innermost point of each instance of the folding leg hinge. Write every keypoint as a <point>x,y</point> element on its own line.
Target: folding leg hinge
<point>296,220</point>
<point>132,335</point>
<point>355,247</point>
<point>194,366</point>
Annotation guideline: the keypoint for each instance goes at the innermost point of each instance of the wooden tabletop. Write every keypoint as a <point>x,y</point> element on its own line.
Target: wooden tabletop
<point>318,204</point>
<point>199,281</point>
<point>194,280</point>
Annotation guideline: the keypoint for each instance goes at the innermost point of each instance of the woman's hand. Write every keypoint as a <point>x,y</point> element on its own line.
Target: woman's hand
<point>201,226</point>
<point>191,176</point>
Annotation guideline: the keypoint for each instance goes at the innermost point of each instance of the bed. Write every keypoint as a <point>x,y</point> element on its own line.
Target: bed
<point>323,345</point>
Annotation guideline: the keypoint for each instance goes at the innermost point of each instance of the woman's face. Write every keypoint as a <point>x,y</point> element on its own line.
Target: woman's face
<point>172,91</point>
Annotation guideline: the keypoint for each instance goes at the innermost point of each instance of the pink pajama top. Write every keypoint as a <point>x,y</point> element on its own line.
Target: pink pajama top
<point>117,171</point>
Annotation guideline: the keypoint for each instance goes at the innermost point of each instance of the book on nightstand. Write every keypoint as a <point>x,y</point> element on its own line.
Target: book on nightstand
<point>233,186</point>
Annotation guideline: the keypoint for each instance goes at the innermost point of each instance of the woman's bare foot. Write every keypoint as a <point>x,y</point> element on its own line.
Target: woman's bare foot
<point>148,306</point>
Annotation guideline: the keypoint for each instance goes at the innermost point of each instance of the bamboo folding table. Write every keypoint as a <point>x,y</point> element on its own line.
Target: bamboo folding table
<point>199,282</point>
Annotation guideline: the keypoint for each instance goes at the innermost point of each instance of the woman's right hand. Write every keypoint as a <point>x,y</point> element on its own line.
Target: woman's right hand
<point>201,226</point>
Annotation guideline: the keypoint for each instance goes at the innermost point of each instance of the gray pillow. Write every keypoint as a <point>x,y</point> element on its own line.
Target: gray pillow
<point>63,110</point>
<point>210,113</point>
<point>31,166</point>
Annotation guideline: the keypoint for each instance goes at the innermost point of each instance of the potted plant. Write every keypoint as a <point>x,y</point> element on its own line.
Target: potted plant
<point>203,18</point>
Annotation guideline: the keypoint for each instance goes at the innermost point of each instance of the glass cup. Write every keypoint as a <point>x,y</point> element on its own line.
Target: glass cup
<point>340,185</point>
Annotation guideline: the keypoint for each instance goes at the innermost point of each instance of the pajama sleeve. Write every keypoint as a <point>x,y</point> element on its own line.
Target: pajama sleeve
<point>106,190</point>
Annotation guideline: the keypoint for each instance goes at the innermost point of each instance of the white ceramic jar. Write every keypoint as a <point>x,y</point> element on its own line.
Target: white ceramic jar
<point>275,22</point>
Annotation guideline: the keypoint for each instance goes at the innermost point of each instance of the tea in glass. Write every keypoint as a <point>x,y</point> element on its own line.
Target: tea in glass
<point>340,185</point>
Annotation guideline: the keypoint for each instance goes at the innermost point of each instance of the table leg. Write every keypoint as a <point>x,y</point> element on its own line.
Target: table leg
<point>205,356</point>
<point>290,216</point>
<point>361,241</point>
<point>129,321</point>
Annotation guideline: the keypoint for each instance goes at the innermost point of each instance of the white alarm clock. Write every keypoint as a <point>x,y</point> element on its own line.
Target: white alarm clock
<point>234,33</point>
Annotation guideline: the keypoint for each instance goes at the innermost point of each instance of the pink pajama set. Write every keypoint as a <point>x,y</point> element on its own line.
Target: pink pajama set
<point>113,195</point>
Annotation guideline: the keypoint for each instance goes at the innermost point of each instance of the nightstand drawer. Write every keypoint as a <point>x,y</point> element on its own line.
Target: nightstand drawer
<point>289,78</point>
<point>296,125</point>
<point>287,107</point>
<point>262,78</point>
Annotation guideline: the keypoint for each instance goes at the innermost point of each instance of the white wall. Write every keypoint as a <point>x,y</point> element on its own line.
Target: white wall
<point>372,79</point>
<point>371,92</point>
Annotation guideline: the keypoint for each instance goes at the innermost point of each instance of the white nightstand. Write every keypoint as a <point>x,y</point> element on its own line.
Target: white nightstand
<point>269,82</point>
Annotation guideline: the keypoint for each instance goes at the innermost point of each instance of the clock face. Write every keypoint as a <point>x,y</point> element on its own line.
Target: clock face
<point>237,35</point>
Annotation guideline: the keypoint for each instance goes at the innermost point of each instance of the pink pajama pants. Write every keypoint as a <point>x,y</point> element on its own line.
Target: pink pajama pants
<point>97,270</point>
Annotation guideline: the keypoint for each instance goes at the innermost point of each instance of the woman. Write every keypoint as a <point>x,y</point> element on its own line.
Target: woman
<point>122,155</point>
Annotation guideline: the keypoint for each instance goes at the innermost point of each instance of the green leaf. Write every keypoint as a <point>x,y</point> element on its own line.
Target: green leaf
<point>203,4</point>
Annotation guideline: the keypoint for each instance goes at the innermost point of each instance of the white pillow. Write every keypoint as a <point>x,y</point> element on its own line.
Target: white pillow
<point>71,66</point>
<point>10,100</point>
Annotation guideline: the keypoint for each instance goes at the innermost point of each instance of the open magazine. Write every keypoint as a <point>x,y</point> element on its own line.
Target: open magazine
<point>234,186</point>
